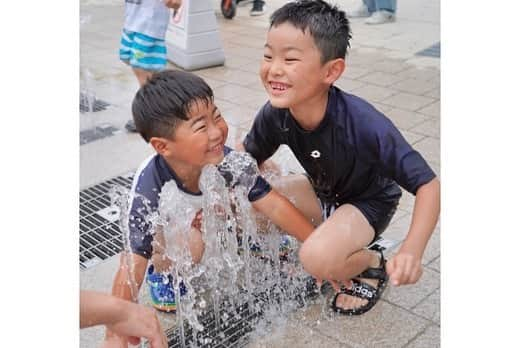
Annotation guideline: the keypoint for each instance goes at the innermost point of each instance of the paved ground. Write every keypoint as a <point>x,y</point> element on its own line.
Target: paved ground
<point>382,68</point>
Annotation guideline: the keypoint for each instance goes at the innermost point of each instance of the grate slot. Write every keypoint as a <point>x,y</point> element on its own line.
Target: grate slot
<point>99,238</point>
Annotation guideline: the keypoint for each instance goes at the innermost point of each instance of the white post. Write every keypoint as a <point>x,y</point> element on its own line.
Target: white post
<point>192,39</point>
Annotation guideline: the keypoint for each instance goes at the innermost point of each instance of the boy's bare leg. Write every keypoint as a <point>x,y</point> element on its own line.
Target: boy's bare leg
<point>142,75</point>
<point>335,251</point>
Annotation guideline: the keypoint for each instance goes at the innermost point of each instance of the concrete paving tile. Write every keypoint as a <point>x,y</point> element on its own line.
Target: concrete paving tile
<point>405,119</point>
<point>258,101</point>
<point>237,62</point>
<point>211,82</point>
<point>425,62</point>
<point>430,338</point>
<point>433,248</point>
<point>380,78</point>
<point>116,155</point>
<point>235,134</point>
<point>223,104</point>
<point>348,85</point>
<point>373,93</point>
<point>415,86</point>
<point>408,101</point>
<point>411,137</point>
<point>391,66</point>
<point>407,201</point>
<point>236,94</point>
<point>239,115</point>
<point>429,148</point>
<point>231,76</point>
<point>255,53</point>
<point>380,107</point>
<point>432,110</point>
<point>385,325</point>
<point>354,72</point>
<point>419,74</point>
<point>434,93</point>
<point>294,336</point>
<point>408,296</point>
<point>435,264</point>
<point>430,307</point>
<point>398,228</point>
<point>429,128</point>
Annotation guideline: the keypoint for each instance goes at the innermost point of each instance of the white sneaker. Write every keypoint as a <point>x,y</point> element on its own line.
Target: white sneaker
<point>380,17</point>
<point>360,11</point>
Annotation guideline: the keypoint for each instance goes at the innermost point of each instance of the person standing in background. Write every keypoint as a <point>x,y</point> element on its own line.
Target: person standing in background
<point>377,11</point>
<point>142,41</point>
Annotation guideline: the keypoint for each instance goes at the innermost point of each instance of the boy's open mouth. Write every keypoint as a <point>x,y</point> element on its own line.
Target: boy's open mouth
<point>216,149</point>
<point>278,87</point>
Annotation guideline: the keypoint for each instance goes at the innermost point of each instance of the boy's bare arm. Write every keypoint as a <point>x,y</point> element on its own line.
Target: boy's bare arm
<point>405,267</point>
<point>284,214</point>
<point>124,317</point>
<point>121,285</point>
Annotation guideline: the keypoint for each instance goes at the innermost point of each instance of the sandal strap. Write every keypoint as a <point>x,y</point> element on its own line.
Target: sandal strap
<point>361,290</point>
<point>376,272</point>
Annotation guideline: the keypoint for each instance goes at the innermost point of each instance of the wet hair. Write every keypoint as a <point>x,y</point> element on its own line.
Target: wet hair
<point>327,24</point>
<point>165,99</point>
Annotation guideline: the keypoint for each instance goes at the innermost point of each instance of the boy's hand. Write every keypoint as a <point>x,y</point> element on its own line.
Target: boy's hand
<point>134,322</point>
<point>175,4</point>
<point>404,268</point>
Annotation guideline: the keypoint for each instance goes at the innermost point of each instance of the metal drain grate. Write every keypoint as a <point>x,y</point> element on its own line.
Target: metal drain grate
<point>97,104</point>
<point>99,236</point>
<point>234,331</point>
<point>432,51</point>
<point>99,132</point>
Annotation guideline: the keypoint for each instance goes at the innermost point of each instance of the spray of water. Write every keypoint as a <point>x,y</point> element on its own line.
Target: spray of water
<point>240,264</point>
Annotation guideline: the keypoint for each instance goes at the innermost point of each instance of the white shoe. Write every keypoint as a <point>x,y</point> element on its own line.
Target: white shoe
<point>360,11</point>
<point>380,17</point>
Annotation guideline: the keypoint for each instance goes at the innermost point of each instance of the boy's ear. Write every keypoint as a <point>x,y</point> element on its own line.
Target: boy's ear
<point>161,145</point>
<point>334,70</point>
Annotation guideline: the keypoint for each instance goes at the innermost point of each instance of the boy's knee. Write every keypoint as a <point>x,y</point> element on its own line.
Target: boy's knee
<point>315,259</point>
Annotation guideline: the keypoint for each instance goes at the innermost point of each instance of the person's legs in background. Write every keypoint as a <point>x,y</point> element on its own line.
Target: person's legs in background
<point>258,8</point>
<point>383,11</point>
<point>145,55</point>
<point>378,11</point>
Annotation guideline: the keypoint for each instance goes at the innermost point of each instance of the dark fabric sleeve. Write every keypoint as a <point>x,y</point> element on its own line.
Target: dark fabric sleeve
<point>380,142</point>
<point>144,201</point>
<point>140,234</point>
<point>264,138</point>
<point>259,190</point>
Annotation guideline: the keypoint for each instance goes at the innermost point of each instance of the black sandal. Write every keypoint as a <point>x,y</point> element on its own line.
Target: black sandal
<point>364,290</point>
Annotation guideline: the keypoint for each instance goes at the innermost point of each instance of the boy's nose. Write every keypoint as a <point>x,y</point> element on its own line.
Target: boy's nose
<point>275,68</point>
<point>214,132</point>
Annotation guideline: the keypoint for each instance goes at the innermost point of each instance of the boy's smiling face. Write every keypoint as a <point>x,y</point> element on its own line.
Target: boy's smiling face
<point>199,140</point>
<point>291,71</point>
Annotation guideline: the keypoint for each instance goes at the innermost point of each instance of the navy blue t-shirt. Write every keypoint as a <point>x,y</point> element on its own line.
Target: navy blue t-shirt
<point>148,181</point>
<point>355,153</point>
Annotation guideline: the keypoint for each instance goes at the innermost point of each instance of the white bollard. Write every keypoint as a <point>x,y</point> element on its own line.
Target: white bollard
<point>192,39</point>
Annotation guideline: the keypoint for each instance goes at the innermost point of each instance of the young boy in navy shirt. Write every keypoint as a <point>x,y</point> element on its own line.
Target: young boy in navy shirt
<point>174,112</point>
<point>354,157</point>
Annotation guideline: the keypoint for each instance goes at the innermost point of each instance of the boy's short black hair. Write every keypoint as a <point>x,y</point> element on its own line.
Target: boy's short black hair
<point>327,24</point>
<point>166,99</point>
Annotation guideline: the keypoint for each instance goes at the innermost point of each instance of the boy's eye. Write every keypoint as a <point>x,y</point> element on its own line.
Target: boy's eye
<point>267,57</point>
<point>218,116</point>
<point>291,59</point>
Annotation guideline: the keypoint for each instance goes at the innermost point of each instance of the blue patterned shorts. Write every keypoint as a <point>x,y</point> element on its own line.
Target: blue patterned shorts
<point>141,51</point>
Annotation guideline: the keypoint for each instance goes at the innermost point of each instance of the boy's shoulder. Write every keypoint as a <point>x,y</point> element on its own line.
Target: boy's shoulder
<point>354,111</point>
